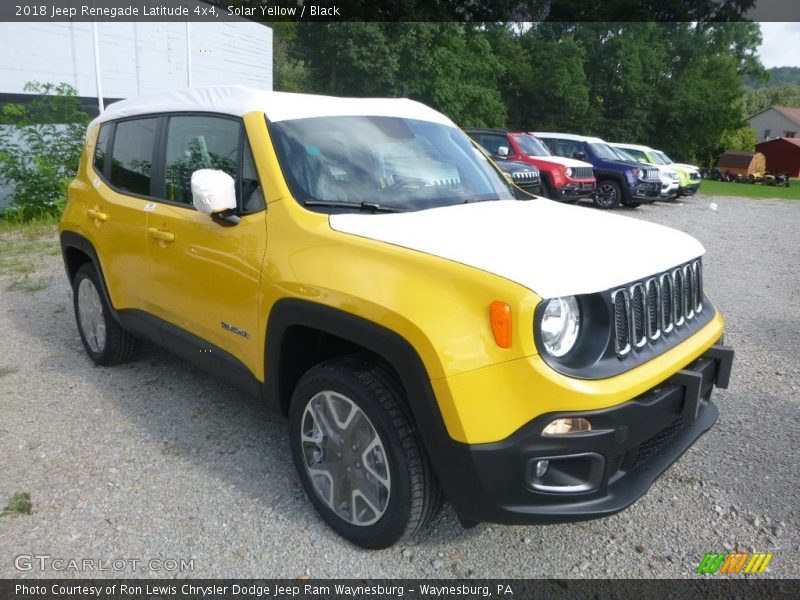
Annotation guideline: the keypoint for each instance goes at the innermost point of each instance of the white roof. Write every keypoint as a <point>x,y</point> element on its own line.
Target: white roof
<point>239,100</point>
<point>569,136</point>
<point>634,146</point>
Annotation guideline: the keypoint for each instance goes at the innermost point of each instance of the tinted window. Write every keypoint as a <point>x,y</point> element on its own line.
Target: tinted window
<point>132,155</point>
<point>101,148</point>
<point>492,143</point>
<point>199,142</point>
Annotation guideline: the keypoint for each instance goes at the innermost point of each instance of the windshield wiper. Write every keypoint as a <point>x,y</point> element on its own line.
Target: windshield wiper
<point>363,206</point>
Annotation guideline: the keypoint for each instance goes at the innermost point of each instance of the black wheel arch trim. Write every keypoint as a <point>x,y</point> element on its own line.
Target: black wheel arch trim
<point>447,457</point>
<point>71,239</point>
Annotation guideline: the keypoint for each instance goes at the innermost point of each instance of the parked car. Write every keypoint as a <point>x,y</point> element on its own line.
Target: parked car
<point>564,179</point>
<point>522,175</point>
<point>429,329</point>
<point>690,174</point>
<point>628,183</point>
<point>670,179</point>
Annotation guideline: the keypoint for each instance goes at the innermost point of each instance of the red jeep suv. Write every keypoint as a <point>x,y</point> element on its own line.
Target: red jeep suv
<point>565,179</point>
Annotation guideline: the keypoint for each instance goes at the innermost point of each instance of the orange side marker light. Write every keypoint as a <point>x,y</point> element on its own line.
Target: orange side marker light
<point>500,318</point>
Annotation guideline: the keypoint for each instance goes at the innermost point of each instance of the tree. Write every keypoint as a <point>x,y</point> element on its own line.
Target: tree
<point>40,148</point>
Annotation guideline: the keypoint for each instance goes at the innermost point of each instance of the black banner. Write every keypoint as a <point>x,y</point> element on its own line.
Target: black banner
<point>384,589</point>
<point>400,10</point>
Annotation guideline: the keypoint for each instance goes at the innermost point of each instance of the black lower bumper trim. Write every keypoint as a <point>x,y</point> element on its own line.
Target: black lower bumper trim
<point>631,444</point>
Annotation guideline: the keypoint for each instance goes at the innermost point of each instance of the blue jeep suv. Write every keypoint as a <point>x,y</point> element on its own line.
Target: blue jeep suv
<point>618,181</point>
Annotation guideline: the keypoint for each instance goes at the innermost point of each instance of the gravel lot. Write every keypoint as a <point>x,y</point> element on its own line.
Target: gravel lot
<point>157,460</point>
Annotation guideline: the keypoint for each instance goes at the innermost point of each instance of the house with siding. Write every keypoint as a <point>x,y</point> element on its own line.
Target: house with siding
<point>776,122</point>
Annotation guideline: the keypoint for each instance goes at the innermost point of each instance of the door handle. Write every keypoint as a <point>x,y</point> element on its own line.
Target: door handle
<point>163,236</point>
<point>97,215</point>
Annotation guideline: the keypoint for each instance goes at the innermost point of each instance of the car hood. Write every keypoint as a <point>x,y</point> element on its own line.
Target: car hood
<point>513,166</point>
<point>562,160</point>
<point>685,166</point>
<point>550,248</point>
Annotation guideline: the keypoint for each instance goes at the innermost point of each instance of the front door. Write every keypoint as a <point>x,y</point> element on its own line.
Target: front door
<point>204,276</point>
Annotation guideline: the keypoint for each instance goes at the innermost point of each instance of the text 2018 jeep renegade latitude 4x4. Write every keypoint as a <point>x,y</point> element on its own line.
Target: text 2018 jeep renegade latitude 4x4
<point>362,266</point>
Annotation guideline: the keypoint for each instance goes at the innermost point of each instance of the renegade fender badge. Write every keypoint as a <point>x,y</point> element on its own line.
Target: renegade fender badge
<point>234,329</point>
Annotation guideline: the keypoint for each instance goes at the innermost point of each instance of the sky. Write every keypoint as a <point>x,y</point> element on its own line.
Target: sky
<point>781,45</point>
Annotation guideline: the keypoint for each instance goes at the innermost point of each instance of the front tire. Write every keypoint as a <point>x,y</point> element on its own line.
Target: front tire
<point>105,341</point>
<point>358,458</point>
<point>608,194</point>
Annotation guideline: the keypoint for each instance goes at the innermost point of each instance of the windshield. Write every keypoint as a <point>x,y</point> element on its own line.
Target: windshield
<point>636,155</point>
<point>603,151</point>
<point>658,159</point>
<point>623,154</point>
<point>664,157</point>
<point>387,162</point>
<point>530,145</point>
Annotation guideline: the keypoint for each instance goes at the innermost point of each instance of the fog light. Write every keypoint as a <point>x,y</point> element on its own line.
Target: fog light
<point>541,468</point>
<point>565,426</point>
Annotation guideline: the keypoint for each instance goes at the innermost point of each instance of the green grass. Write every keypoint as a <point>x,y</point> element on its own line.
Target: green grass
<point>749,190</point>
<point>22,246</point>
<point>18,504</point>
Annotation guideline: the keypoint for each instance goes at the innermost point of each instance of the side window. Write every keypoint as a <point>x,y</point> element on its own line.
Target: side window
<point>101,148</point>
<point>552,145</point>
<point>492,142</point>
<point>199,142</point>
<point>132,155</point>
<point>252,197</point>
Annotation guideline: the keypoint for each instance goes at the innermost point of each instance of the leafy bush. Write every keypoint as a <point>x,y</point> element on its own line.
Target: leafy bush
<point>40,149</point>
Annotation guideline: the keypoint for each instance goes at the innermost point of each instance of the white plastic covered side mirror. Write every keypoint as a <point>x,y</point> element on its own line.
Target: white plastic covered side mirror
<point>502,151</point>
<point>213,191</point>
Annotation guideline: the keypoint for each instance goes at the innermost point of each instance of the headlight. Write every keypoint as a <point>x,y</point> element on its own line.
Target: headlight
<point>560,325</point>
<point>568,171</point>
<point>641,173</point>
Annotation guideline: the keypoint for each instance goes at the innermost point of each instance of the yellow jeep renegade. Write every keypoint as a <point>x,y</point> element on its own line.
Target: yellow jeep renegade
<point>430,330</point>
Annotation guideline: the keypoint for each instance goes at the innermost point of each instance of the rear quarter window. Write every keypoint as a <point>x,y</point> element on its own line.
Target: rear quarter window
<point>101,148</point>
<point>132,155</point>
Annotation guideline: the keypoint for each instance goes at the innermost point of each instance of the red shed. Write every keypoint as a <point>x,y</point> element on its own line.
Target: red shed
<point>783,154</point>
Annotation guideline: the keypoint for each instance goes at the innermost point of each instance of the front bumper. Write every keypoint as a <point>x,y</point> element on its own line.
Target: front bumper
<point>578,190</point>
<point>595,473</point>
<point>645,191</point>
<point>689,190</point>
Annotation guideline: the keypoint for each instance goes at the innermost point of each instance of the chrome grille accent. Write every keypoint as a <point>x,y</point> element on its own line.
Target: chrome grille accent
<point>652,174</point>
<point>678,297</point>
<point>653,305</point>
<point>667,314</point>
<point>638,315</point>
<point>646,310</point>
<point>697,267</point>
<point>582,173</point>
<point>621,301</point>
<point>689,297</point>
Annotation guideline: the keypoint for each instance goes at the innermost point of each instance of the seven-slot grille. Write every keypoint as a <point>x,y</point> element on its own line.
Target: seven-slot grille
<point>582,173</point>
<point>652,174</point>
<point>525,178</point>
<point>647,309</point>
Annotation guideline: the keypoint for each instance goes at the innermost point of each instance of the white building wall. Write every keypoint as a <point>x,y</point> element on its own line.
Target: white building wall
<point>135,58</point>
<point>775,122</point>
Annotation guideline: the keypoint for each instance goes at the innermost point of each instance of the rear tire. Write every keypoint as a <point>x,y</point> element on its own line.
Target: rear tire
<point>105,341</point>
<point>608,194</point>
<point>361,464</point>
